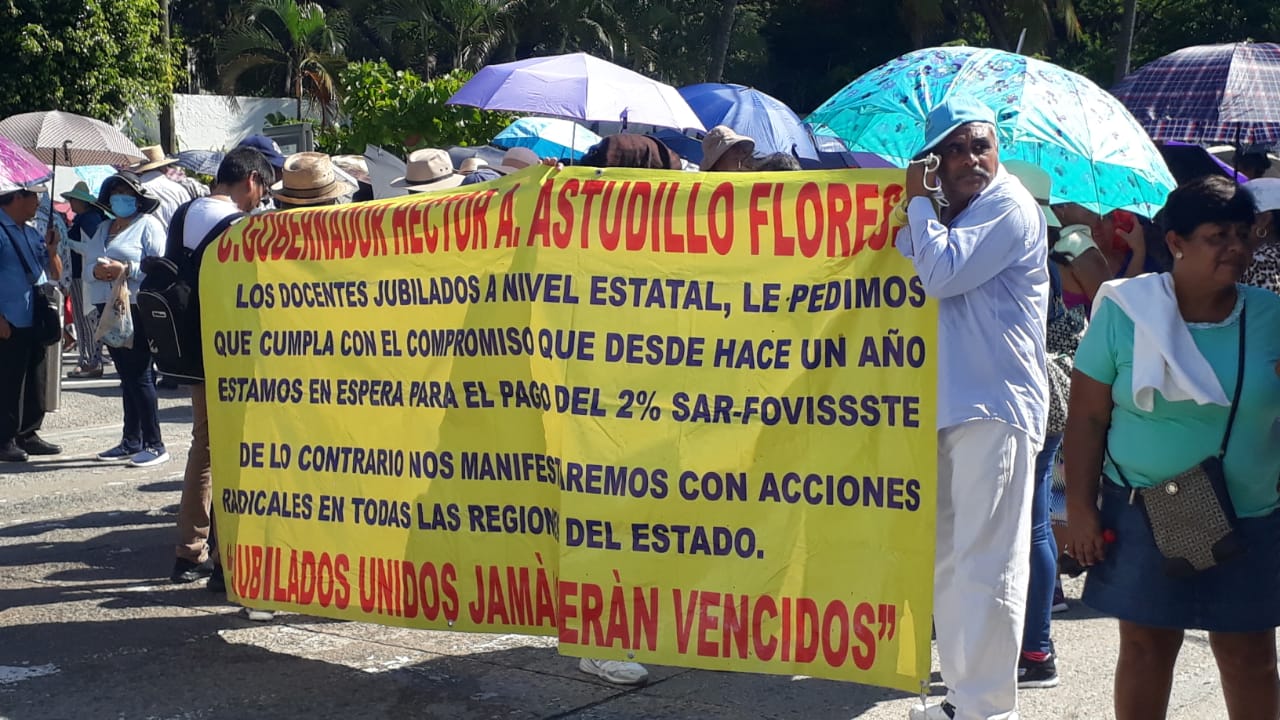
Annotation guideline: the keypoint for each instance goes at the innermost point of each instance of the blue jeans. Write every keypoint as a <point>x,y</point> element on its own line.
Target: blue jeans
<point>138,389</point>
<point>1044,553</point>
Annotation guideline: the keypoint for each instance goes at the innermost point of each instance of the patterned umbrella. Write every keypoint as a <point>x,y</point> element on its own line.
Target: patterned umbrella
<point>19,168</point>
<point>59,138</point>
<point>1209,94</point>
<point>1096,153</point>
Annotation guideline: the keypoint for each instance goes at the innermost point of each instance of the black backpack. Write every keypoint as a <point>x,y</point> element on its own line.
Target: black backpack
<point>169,301</point>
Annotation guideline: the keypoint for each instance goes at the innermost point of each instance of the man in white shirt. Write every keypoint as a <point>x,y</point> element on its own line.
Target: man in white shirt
<point>152,172</point>
<point>982,256</point>
<point>243,180</point>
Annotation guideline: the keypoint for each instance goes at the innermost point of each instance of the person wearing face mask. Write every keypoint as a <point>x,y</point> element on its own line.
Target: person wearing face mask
<point>120,246</point>
<point>242,181</point>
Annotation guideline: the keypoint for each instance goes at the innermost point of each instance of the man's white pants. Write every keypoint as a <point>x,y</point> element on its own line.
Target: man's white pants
<point>980,576</point>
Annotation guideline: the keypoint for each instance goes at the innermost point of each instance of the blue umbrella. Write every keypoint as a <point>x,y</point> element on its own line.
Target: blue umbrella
<point>548,137</point>
<point>204,162</point>
<point>1096,153</point>
<point>763,118</point>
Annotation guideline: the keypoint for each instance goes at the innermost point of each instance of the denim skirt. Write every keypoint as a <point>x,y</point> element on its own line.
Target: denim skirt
<point>1240,595</point>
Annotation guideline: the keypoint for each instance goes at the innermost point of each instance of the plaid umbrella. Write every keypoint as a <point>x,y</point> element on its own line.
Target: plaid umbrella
<point>1208,94</point>
<point>59,138</point>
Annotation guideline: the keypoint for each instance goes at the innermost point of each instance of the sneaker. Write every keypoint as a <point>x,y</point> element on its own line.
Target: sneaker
<point>1037,674</point>
<point>185,571</point>
<point>117,453</point>
<point>941,711</point>
<point>1059,600</point>
<point>36,445</point>
<point>258,615</point>
<point>149,457</point>
<point>615,671</point>
<point>217,581</point>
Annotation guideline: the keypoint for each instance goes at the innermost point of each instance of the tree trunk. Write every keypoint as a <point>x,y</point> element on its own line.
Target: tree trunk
<point>167,139</point>
<point>1124,48</point>
<point>992,20</point>
<point>299,94</point>
<point>720,45</point>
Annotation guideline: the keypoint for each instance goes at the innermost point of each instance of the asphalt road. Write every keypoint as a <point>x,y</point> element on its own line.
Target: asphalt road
<point>90,628</point>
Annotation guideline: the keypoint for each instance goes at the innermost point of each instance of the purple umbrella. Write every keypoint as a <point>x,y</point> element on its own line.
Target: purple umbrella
<point>1208,94</point>
<point>19,168</point>
<point>577,87</point>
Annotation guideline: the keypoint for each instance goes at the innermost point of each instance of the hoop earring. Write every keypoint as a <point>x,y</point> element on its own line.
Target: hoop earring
<point>1177,255</point>
<point>1260,233</point>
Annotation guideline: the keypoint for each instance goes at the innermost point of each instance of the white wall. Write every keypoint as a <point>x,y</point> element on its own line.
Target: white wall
<point>213,122</point>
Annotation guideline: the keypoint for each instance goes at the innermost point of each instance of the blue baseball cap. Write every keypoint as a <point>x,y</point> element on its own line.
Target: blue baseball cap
<point>951,113</point>
<point>267,147</point>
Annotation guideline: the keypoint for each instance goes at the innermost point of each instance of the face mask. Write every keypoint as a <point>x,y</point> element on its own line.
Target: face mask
<point>124,206</point>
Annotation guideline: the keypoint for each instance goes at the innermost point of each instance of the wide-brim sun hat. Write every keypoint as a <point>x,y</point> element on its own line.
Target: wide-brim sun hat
<point>515,160</point>
<point>147,201</point>
<point>956,110</point>
<point>1038,183</point>
<point>81,192</point>
<point>309,179</point>
<point>428,169</point>
<point>717,142</point>
<point>155,159</point>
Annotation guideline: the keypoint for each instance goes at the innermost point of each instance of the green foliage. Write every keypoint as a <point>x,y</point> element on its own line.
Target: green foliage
<point>92,57</point>
<point>398,110</point>
<point>295,44</point>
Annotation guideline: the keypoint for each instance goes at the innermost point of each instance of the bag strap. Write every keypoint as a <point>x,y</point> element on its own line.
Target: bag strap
<point>1235,401</point>
<point>213,234</point>
<point>26,266</point>
<point>173,244</point>
<point>1231,417</point>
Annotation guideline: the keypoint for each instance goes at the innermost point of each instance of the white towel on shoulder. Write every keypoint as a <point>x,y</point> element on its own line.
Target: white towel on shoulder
<point>1165,357</point>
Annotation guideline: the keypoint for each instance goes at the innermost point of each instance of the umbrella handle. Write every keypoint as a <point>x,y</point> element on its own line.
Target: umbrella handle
<point>932,163</point>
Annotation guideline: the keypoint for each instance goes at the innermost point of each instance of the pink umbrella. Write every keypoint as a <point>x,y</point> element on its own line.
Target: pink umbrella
<point>19,168</point>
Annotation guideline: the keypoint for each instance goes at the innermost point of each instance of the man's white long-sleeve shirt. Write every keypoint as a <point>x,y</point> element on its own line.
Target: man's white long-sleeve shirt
<point>989,273</point>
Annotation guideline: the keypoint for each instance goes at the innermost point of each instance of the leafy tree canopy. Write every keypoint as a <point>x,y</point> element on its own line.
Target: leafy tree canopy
<point>92,57</point>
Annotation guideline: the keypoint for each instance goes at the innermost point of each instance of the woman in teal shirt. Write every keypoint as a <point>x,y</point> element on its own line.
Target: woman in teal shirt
<point>1208,231</point>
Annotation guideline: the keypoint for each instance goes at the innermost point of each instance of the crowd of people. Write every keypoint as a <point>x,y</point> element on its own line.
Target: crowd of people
<point>1109,349</point>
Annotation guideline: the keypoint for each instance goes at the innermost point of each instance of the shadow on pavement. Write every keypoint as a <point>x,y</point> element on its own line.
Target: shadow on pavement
<point>213,666</point>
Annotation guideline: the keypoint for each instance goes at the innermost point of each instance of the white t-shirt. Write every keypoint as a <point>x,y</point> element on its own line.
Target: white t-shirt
<point>203,215</point>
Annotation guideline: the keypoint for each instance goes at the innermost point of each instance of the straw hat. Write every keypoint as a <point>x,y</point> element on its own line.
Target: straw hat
<point>515,160</point>
<point>309,180</point>
<point>155,159</point>
<point>81,192</point>
<point>428,169</point>
<point>717,142</point>
<point>471,165</point>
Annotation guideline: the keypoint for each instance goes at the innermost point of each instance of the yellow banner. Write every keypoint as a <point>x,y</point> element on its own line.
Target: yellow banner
<point>673,418</point>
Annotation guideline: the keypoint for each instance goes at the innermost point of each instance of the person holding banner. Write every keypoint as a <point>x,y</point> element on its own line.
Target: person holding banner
<point>242,181</point>
<point>982,253</point>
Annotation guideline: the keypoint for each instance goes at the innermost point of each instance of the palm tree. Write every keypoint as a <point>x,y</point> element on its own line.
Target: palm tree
<point>294,43</point>
<point>1003,20</point>
<point>452,33</point>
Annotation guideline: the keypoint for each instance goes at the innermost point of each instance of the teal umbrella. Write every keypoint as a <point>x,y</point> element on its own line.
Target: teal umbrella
<point>1096,153</point>
<point>548,137</point>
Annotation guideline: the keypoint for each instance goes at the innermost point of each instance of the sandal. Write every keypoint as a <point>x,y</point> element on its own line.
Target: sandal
<point>83,373</point>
